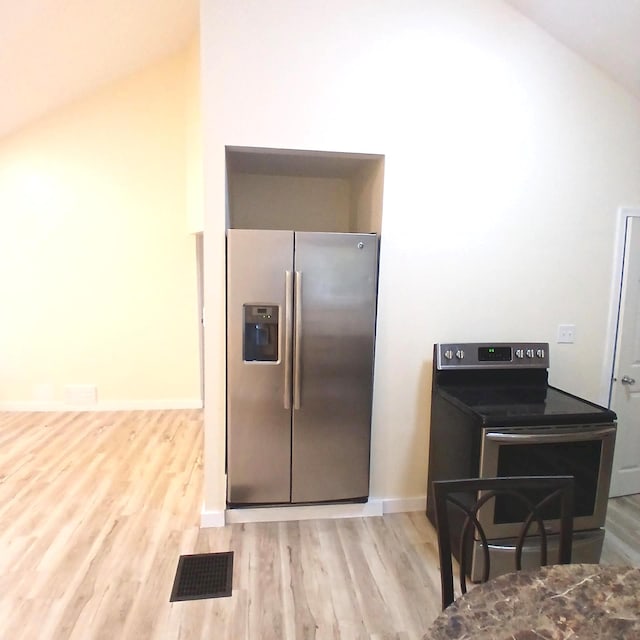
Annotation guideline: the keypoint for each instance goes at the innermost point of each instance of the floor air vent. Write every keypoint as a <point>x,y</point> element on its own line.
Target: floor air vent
<point>203,575</point>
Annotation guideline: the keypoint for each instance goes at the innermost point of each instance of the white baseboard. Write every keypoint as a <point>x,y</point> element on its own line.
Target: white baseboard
<point>110,405</point>
<point>304,512</point>
<point>374,507</point>
<point>210,519</point>
<point>402,505</point>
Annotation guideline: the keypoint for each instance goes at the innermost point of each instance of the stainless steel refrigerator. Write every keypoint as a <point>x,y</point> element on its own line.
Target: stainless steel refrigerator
<point>301,312</point>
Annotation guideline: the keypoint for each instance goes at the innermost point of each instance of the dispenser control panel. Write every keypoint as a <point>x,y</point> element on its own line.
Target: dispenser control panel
<point>260,337</point>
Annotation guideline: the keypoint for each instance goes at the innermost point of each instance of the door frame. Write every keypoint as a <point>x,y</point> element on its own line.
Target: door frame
<point>609,360</point>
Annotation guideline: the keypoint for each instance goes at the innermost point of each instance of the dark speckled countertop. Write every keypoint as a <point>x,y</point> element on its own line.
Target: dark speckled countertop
<point>576,601</point>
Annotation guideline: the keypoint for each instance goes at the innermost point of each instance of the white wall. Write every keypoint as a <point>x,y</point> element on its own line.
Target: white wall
<point>506,157</point>
<point>97,269</point>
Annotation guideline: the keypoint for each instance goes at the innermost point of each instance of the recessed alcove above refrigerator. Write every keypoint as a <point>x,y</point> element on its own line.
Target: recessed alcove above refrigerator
<point>304,190</point>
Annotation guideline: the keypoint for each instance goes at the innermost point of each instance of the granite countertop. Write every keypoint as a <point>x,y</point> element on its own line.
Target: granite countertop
<point>575,601</point>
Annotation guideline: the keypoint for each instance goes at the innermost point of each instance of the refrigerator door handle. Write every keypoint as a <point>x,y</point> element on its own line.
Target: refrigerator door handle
<point>288,325</point>
<point>297,336</point>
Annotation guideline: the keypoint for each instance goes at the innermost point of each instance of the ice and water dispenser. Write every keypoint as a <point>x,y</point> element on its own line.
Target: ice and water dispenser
<point>260,333</point>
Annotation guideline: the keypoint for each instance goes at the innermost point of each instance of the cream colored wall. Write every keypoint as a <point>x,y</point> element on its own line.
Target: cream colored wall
<point>193,121</point>
<point>506,157</point>
<point>366,196</point>
<point>98,281</point>
<point>285,202</point>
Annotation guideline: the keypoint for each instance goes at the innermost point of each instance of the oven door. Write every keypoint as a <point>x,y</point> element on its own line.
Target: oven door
<point>582,451</point>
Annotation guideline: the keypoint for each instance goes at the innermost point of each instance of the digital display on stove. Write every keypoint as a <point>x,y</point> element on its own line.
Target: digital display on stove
<point>494,354</point>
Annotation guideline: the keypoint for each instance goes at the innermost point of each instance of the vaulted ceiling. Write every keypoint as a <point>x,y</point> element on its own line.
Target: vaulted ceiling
<point>605,32</point>
<point>54,51</point>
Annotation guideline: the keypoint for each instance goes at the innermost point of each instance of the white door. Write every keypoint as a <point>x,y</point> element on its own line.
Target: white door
<point>625,390</point>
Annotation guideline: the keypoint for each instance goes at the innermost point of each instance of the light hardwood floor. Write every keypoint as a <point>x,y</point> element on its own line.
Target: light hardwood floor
<point>622,538</point>
<point>96,508</point>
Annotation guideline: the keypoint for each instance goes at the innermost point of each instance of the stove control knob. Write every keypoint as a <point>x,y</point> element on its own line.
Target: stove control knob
<point>460,354</point>
<point>519,353</point>
<point>540,353</point>
<point>530,353</point>
<point>448,354</point>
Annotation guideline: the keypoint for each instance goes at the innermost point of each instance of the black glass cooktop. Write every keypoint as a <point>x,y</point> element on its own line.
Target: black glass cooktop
<point>526,405</point>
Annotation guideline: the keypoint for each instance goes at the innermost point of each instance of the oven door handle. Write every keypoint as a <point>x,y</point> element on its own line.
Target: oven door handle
<point>575,436</point>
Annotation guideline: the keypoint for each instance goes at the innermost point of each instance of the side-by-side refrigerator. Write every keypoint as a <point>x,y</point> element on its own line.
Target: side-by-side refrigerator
<point>301,310</point>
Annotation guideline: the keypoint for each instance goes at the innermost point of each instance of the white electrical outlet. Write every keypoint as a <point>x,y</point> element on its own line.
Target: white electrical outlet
<point>566,333</point>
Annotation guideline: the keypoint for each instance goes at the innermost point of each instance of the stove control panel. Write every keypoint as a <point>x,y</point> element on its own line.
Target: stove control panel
<point>492,355</point>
